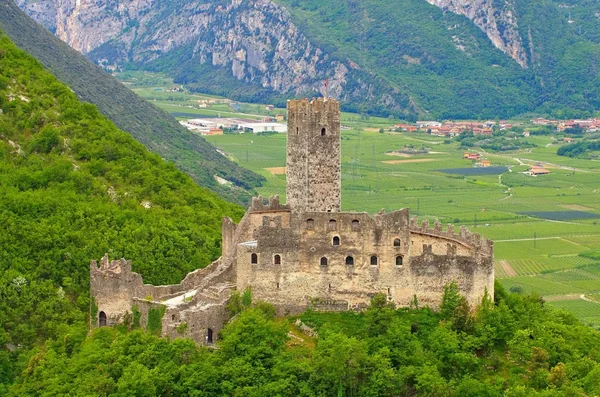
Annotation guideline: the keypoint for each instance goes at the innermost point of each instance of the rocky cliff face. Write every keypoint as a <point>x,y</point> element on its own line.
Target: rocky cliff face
<point>254,39</point>
<point>496,18</point>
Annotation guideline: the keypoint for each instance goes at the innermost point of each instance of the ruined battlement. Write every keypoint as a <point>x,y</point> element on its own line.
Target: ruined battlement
<point>478,242</point>
<point>259,204</point>
<point>304,107</point>
<point>108,267</point>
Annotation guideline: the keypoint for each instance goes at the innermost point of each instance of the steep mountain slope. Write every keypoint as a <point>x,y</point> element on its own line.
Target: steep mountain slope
<point>559,40</point>
<point>496,59</point>
<point>73,187</point>
<point>151,126</point>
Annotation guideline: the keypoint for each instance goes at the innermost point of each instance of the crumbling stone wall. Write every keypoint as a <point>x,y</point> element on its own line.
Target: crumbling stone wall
<point>118,292</point>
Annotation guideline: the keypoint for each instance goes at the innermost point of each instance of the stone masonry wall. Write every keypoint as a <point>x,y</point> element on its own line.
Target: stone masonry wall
<point>313,155</point>
<point>429,261</point>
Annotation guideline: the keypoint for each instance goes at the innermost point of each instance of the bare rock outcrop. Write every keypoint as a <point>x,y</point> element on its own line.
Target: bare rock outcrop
<point>499,24</point>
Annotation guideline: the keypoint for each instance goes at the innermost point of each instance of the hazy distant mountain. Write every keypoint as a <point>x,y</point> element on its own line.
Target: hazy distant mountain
<point>450,58</point>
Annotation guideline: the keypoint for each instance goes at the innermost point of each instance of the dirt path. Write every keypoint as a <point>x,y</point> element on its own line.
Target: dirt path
<point>510,272</point>
<point>276,170</point>
<point>407,161</point>
<point>568,297</point>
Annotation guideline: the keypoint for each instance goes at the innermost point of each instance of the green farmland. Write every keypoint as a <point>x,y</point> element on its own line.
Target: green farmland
<point>532,254</point>
<point>540,255</point>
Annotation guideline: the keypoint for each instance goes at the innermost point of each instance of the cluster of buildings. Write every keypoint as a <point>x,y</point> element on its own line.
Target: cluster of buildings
<point>454,128</point>
<point>477,157</point>
<point>588,125</point>
<point>217,125</point>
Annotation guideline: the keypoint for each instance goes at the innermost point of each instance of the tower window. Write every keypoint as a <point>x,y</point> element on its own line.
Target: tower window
<point>310,224</point>
<point>323,261</point>
<point>332,224</point>
<point>336,241</point>
<point>397,243</point>
<point>297,130</point>
<point>323,132</point>
<point>355,225</point>
<point>399,260</point>
<point>254,259</point>
<point>349,261</point>
<point>374,260</point>
<point>277,260</point>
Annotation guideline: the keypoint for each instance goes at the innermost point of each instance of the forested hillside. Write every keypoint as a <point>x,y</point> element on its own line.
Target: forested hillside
<point>157,130</point>
<point>454,70</point>
<point>516,346</point>
<point>73,187</point>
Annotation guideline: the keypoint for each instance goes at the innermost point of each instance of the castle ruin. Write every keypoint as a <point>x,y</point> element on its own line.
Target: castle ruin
<point>306,253</point>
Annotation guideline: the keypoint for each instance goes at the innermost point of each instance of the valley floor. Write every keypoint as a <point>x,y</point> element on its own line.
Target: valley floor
<point>541,225</point>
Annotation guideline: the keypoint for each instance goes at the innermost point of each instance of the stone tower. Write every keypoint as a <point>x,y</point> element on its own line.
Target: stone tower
<point>313,156</point>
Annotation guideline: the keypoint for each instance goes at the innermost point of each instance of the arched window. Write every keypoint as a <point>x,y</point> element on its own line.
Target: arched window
<point>349,261</point>
<point>102,319</point>
<point>397,242</point>
<point>277,260</point>
<point>332,224</point>
<point>336,241</point>
<point>399,260</point>
<point>297,130</point>
<point>323,261</point>
<point>355,225</point>
<point>310,224</point>
<point>209,336</point>
<point>374,260</point>
<point>254,259</point>
<point>323,131</point>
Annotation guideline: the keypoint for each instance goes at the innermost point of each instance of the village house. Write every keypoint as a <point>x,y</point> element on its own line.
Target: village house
<point>535,171</point>
<point>471,156</point>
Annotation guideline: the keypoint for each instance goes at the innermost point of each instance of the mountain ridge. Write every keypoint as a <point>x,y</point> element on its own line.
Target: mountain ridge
<point>414,58</point>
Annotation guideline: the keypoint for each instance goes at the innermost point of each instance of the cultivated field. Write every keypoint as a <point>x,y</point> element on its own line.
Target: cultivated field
<point>541,255</point>
<point>533,253</point>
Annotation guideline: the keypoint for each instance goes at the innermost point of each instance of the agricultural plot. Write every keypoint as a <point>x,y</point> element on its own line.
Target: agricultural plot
<point>587,312</point>
<point>475,171</point>
<point>562,215</point>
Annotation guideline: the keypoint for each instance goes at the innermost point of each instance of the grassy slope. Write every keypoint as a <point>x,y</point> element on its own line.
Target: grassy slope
<point>149,125</point>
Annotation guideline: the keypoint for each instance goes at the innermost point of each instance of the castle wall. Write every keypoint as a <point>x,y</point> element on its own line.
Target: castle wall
<point>429,261</point>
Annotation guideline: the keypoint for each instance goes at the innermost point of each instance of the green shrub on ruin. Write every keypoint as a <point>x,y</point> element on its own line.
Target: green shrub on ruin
<point>155,316</point>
